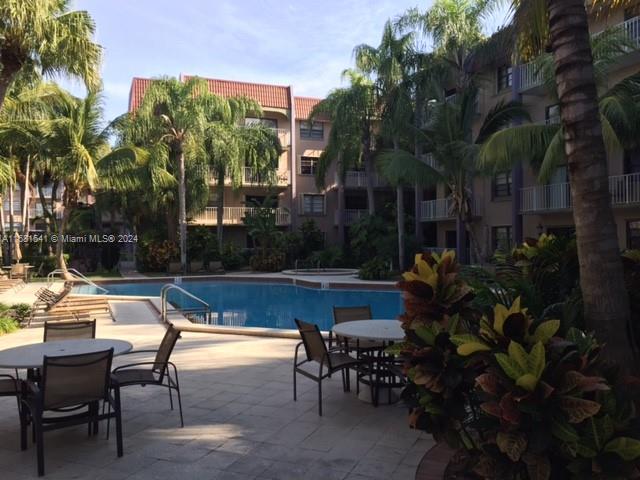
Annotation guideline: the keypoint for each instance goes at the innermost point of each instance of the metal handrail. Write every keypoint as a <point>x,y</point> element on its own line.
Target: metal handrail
<point>75,274</point>
<point>164,294</point>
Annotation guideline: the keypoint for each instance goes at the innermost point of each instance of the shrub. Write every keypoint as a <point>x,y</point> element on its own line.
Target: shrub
<point>232,258</point>
<point>154,255</point>
<point>328,258</point>
<point>312,238</point>
<point>264,261</point>
<point>8,325</point>
<point>375,269</point>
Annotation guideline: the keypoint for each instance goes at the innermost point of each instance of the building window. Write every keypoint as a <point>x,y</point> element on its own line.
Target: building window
<point>633,234</point>
<point>313,131</point>
<point>265,122</point>
<point>502,185</point>
<point>505,77</point>
<point>308,165</point>
<point>552,114</point>
<point>312,204</point>
<point>501,237</point>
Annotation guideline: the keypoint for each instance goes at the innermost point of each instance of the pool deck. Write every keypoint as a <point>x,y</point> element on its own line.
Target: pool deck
<point>240,419</point>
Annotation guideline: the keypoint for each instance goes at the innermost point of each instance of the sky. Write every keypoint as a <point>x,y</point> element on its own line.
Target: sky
<point>303,43</point>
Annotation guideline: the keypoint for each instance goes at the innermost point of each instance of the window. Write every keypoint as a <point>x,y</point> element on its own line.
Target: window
<point>568,231</point>
<point>502,185</point>
<point>314,131</point>
<point>308,165</point>
<point>312,204</point>
<point>501,237</point>
<point>505,77</point>
<point>552,114</point>
<point>266,122</point>
<point>632,161</point>
<point>633,234</point>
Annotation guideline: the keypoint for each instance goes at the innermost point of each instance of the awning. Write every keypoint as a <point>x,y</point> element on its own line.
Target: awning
<point>312,153</point>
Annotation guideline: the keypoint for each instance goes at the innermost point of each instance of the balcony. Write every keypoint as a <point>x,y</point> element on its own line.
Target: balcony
<point>283,135</point>
<point>351,216</point>
<point>250,178</point>
<point>358,179</point>
<point>441,209</point>
<point>235,215</point>
<point>625,191</point>
<point>531,78</point>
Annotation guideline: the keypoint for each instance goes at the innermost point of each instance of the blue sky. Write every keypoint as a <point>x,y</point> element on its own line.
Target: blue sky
<point>302,43</point>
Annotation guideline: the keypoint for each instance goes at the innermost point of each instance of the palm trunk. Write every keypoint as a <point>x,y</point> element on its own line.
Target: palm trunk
<point>417,151</point>
<point>400,223</point>
<point>26,198</point>
<point>182,212</point>
<point>606,302</point>
<point>220,209</point>
<point>7,74</point>
<point>368,169</point>
<point>62,230</point>
<point>340,202</point>
<point>11,224</point>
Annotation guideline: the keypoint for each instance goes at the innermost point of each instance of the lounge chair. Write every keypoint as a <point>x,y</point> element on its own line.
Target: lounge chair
<point>72,387</point>
<point>52,301</point>
<point>7,284</point>
<point>329,361</point>
<point>154,372</point>
<point>69,329</point>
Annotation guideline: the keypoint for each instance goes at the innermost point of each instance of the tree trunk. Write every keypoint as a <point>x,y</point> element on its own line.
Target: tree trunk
<point>417,202</point>
<point>26,191</point>
<point>400,222</point>
<point>220,209</point>
<point>606,303</point>
<point>182,212</point>
<point>461,239</point>
<point>417,151</point>
<point>7,74</point>
<point>62,229</point>
<point>367,159</point>
<point>341,212</point>
<point>11,225</point>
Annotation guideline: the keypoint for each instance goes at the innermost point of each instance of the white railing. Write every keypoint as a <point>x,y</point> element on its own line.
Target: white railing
<point>431,161</point>
<point>358,179</point>
<point>441,208</point>
<point>625,190</point>
<point>351,215</point>
<point>273,177</point>
<point>235,215</point>
<point>283,135</point>
<point>530,75</point>
<point>75,275</point>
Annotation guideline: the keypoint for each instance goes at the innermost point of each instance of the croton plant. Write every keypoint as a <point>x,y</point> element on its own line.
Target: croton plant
<point>522,399</point>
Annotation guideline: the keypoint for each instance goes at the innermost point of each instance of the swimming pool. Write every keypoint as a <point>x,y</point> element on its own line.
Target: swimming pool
<point>269,305</point>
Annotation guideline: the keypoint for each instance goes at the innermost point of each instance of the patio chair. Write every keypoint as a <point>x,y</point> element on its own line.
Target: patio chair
<point>71,389</point>
<point>154,372</point>
<point>10,387</point>
<point>69,330</point>
<point>329,361</point>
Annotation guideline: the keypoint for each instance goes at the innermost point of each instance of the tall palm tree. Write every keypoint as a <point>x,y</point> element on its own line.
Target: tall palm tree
<point>44,37</point>
<point>562,26</point>
<point>349,109</point>
<point>176,113</point>
<point>387,64</point>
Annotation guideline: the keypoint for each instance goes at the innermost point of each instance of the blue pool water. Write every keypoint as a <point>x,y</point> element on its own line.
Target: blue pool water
<point>265,304</point>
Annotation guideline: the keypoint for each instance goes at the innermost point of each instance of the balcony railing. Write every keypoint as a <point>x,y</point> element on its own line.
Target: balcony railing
<point>235,215</point>
<point>441,209</point>
<point>530,75</point>
<point>351,215</point>
<point>625,190</point>
<point>358,179</point>
<point>283,135</point>
<point>250,177</point>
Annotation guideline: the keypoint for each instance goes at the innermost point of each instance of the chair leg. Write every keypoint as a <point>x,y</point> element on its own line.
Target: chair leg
<point>295,389</point>
<point>179,397</point>
<point>118,414</point>
<point>37,420</point>
<point>320,397</point>
<point>23,428</point>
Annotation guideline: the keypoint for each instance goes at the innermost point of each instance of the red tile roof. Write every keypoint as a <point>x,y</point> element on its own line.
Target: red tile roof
<point>304,106</point>
<point>138,87</point>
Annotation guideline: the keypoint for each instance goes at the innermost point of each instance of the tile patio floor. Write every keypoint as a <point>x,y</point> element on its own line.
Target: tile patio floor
<point>240,419</point>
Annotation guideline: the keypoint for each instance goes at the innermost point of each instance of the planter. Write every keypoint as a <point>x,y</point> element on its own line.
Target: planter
<point>197,266</point>
<point>434,463</point>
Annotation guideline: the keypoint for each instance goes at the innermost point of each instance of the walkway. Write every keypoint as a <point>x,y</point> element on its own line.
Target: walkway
<point>240,420</point>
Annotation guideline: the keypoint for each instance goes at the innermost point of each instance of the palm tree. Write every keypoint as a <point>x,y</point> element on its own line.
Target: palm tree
<point>229,146</point>
<point>563,27</point>
<point>387,63</point>
<point>176,113</point>
<point>349,110</point>
<point>44,37</point>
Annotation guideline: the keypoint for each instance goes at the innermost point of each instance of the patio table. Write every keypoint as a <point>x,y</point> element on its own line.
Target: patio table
<point>385,332</point>
<point>32,355</point>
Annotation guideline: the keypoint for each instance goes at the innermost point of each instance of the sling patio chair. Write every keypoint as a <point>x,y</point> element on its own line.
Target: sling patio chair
<point>156,372</point>
<point>69,394</point>
<point>329,361</point>
<point>10,387</point>
<point>55,330</point>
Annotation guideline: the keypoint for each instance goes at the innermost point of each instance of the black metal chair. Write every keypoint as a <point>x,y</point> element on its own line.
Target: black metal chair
<point>10,387</point>
<point>71,388</point>
<point>154,372</point>
<point>69,330</point>
<point>329,361</point>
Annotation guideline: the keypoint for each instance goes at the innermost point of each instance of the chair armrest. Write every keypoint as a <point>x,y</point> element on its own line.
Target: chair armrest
<point>30,389</point>
<point>295,357</point>
<point>137,364</point>
<point>138,351</point>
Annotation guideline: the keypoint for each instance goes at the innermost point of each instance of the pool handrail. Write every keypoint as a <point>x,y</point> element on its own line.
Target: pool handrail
<point>75,275</point>
<point>164,294</point>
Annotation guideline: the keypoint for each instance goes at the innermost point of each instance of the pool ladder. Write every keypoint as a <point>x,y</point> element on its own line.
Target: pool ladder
<point>197,314</point>
<point>75,275</point>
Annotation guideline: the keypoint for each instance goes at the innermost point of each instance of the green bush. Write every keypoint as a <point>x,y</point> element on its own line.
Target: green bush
<point>232,257</point>
<point>8,325</point>
<point>330,257</point>
<point>273,261</point>
<point>202,244</point>
<point>375,269</point>
<point>154,255</point>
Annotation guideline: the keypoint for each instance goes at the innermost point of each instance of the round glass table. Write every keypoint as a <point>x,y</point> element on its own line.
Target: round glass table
<point>32,355</point>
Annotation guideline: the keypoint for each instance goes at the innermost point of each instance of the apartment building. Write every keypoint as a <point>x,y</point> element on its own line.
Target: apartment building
<point>34,210</point>
<point>513,205</point>
<point>293,183</point>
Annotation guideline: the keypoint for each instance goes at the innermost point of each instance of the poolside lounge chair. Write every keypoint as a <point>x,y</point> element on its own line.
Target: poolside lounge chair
<point>154,372</point>
<point>69,329</point>
<point>329,361</point>
<point>52,301</point>
<point>7,284</point>
<point>72,387</point>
